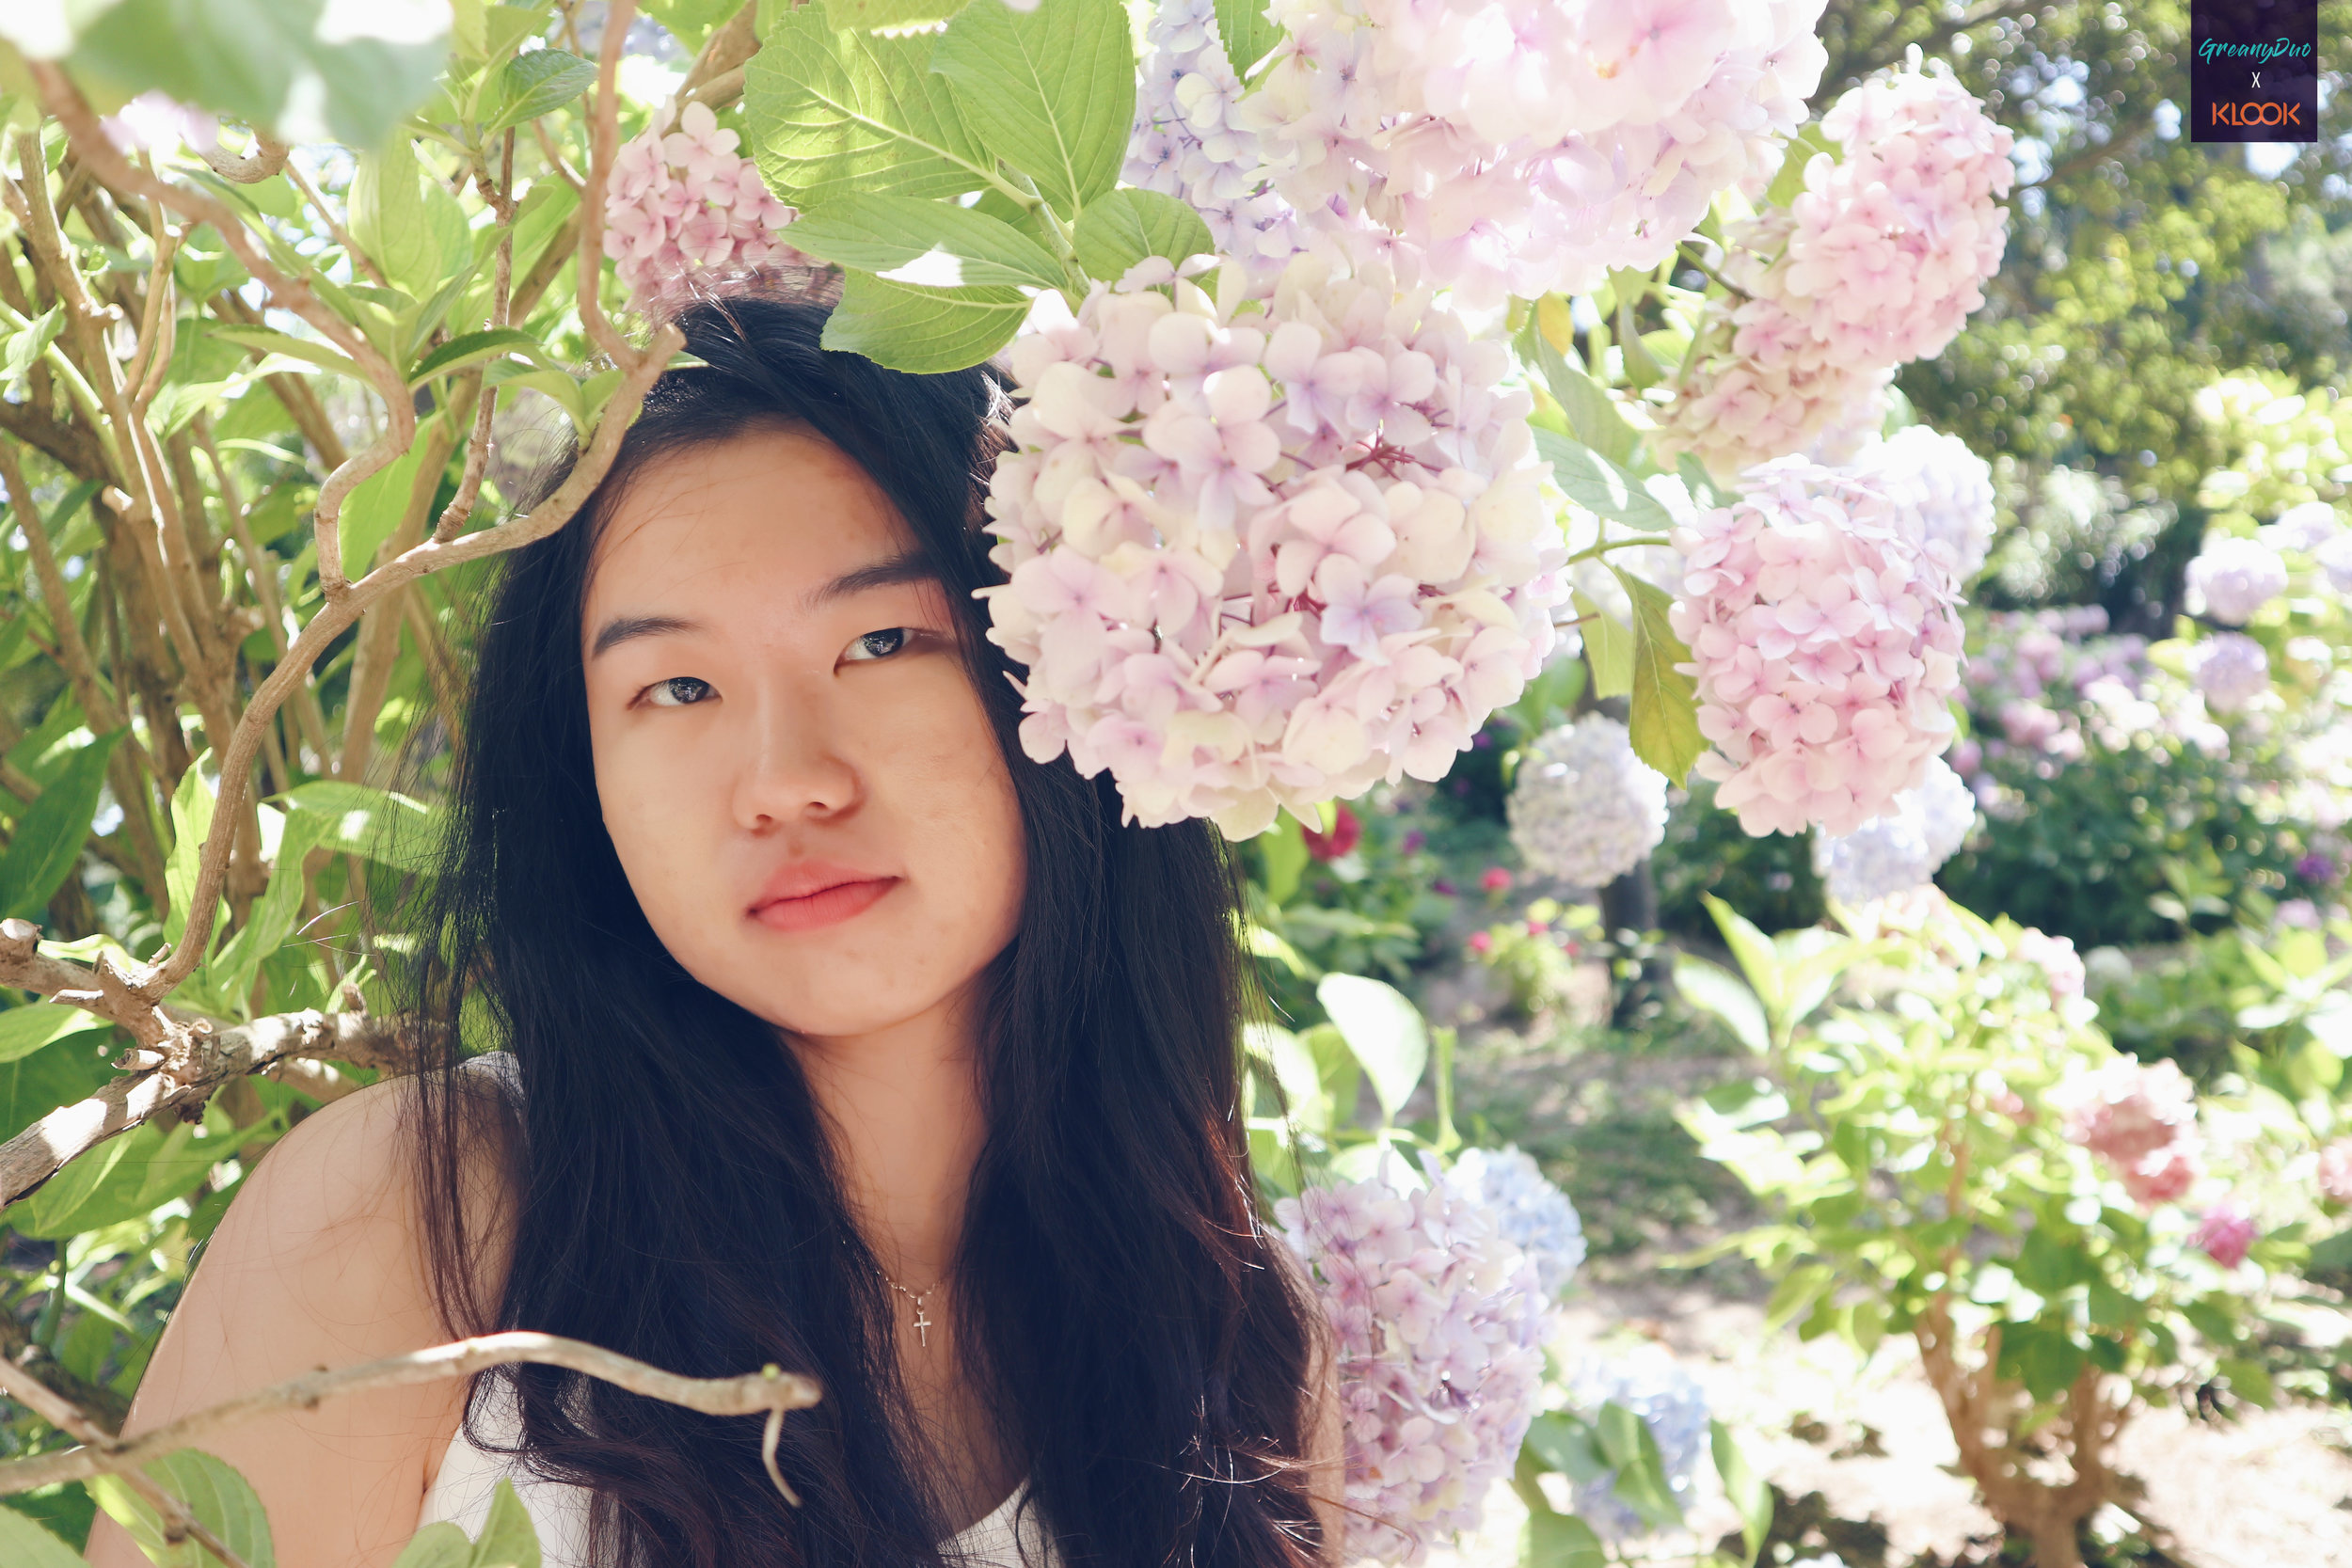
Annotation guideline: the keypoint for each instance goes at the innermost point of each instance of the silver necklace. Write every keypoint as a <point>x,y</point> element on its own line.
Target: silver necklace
<point>922,1324</point>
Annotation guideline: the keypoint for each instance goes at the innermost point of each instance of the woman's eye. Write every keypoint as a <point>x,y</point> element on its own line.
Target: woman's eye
<point>877,644</point>
<point>677,691</point>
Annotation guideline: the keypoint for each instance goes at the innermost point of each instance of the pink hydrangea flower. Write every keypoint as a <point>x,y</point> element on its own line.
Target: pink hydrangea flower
<point>2057,958</point>
<point>1271,557</point>
<point>2232,579</point>
<point>2142,1120</point>
<point>2335,1170</point>
<point>684,210</point>
<point>1826,644</point>
<point>1439,1321</point>
<point>1526,146</point>
<point>2225,1231</point>
<point>2231,669</point>
<point>1879,261</point>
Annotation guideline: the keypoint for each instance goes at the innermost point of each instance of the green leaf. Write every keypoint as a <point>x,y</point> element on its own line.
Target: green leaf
<point>389,829</point>
<point>28,343</point>
<point>868,15</point>
<point>1336,1069</point>
<point>408,220</point>
<point>1748,1492</point>
<point>1246,32</point>
<point>26,1029</point>
<point>25,1544</point>
<point>1284,846</point>
<point>1798,1290</point>
<point>1640,1482</point>
<point>375,506</point>
<point>833,114</point>
<point>1790,180</point>
<point>273,915</point>
<point>472,348</point>
<point>1714,990</point>
<point>906,240</point>
<point>923,331</point>
<point>266,62</point>
<point>47,840</point>
<point>1383,1030</point>
<point>507,1540</point>
<point>1568,1445</point>
<point>539,83</point>
<point>1598,485</point>
<point>1608,648</point>
<point>1592,413</point>
<point>213,1491</point>
<point>440,1545</point>
<point>1051,91</point>
<point>1553,1540</point>
<point>692,22</point>
<point>271,342</point>
<point>1663,719</point>
<point>2249,1381</point>
<point>1126,225</point>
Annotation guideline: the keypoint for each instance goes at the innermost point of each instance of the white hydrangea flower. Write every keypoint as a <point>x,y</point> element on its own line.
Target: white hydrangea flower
<point>1670,1402</point>
<point>1945,485</point>
<point>2231,669</point>
<point>1583,808</point>
<point>1531,1213</point>
<point>1903,848</point>
<point>2232,579</point>
<point>2302,528</point>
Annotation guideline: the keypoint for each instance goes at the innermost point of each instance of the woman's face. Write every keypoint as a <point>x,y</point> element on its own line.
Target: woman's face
<point>798,775</point>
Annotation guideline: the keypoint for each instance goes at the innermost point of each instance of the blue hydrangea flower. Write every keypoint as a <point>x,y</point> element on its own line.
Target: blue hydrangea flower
<point>1532,1214</point>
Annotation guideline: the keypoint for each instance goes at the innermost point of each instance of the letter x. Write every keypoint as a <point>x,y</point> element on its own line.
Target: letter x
<point>2258,78</point>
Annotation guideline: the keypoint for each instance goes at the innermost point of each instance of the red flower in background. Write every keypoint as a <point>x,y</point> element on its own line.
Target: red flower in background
<point>1347,830</point>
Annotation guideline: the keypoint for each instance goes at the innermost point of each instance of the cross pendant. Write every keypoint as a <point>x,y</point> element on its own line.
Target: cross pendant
<point>922,1327</point>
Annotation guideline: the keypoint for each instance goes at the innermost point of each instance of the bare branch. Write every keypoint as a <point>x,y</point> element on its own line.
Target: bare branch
<point>603,144</point>
<point>770,1390</point>
<point>715,77</point>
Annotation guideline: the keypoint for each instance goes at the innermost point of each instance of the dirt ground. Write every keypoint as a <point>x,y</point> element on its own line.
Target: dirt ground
<point>2259,1489</point>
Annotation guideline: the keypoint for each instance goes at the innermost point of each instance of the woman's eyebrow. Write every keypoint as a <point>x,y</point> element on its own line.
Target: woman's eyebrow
<point>906,566</point>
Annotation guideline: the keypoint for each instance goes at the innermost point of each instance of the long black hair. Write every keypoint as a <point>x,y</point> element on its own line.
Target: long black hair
<point>1144,1349</point>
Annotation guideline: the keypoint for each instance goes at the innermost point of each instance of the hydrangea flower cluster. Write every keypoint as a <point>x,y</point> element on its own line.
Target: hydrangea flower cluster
<point>2335,1171</point>
<point>2231,670</point>
<point>2054,956</point>
<point>1272,558</point>
<point>2142,1120</point>
<point>1826,643</point>
<point>2225,1233</point>
<point>1877,261</point>
<point>1439,1321</point>
<point>1671,1402</point>
<point>1528,146</point>
<point>1903,848</point>
<point>1191,142</point>
<point>157,122</point>
<point>686,210</point>
<point>1947,488</point>
<point>2233,578</point>
<point>1532,1214</point>
<point>1583,808</point>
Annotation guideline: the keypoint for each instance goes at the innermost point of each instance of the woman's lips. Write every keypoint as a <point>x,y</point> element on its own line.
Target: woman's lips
<point>825,907</point>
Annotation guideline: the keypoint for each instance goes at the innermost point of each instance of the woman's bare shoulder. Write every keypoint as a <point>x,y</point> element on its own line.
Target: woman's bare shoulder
<point>321,1261</point>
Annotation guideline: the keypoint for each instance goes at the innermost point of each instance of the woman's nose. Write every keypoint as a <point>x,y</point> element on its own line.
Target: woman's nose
<point>796,768</point>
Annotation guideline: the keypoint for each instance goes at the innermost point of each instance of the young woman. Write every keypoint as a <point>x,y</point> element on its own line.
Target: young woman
<point>831,1032</point>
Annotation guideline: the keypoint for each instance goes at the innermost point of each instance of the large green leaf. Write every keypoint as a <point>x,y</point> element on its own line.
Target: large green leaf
<point>1592,414</point>
<point>392,830</point>
<point>1384,1031</point>
<point>540,82</point>
<point>440,1545</point>
<point>271,921</point>
<point>1746,1489</point>
<point>950,247</point>
<point>1608,648</point>
<point>1663,719</point>
<point>37,1085</point>
<point>1553,1540</point>
<point>1052,92</point>
<point>191,819</point>
<point>1246,32</point>
<point>867,15</point>
<point>1599,485</point>
<point>25,1544</point>
<point>310,72</point>
<point>1126,225</point>
<point>408,220</point>
<point>833,114</point>
<point>47,839</point>
<point>922,330</point>
<point>507,1540</point>
<point>214,1492</point>
<point>26,1030</point>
